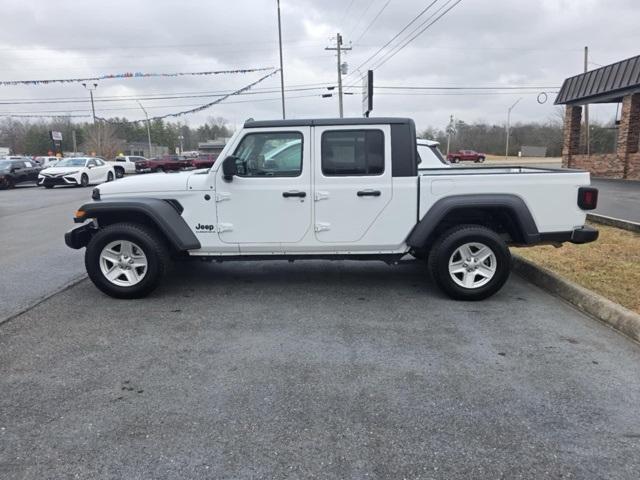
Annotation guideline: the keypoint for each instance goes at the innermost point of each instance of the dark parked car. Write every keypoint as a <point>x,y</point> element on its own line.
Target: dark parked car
<point>466,156</point>
<point>164,164</point>
<point>204,160</point>
<point>14,172</point>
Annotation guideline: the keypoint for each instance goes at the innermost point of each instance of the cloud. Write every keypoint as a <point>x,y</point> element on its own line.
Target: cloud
<point>489,43</point>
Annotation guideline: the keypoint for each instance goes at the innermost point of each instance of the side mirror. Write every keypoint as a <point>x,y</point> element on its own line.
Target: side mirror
<point>229,168</point>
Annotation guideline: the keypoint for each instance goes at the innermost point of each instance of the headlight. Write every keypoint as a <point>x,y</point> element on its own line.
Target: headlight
<point>71,173</point>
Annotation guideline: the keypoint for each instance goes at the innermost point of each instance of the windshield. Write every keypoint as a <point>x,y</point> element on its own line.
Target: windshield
<point>71,162</point>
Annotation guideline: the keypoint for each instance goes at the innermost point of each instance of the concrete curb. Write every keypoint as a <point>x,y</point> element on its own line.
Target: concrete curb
<point>44,298</point>
<point>614,222</point>
<point>611,313</point>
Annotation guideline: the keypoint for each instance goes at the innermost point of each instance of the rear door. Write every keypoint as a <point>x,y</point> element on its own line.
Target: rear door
<point>353,181</point>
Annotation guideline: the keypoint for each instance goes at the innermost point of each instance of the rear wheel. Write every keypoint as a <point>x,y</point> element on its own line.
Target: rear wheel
<point>470,262</point>
<point>126,260</point>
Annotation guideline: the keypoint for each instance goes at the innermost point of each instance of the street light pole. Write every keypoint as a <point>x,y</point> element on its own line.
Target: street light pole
<point>148,126</point>
<point>506,150</point>
<point>281,66</point>
<point>93,108</point>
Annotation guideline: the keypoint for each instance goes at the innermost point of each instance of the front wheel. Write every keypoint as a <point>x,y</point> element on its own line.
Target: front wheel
<point>470,262</point>
<point>84,180</point>
<point>126,260</point>
<point>110,176</point>
<point>119,172</point>
<point>456,160</point>
<point>6,183</point>
<point>480,159</point>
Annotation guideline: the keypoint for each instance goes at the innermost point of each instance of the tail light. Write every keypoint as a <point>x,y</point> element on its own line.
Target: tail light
<point>587,198</point>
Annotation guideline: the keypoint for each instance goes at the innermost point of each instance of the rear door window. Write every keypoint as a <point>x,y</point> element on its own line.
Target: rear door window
<point>352,152</point>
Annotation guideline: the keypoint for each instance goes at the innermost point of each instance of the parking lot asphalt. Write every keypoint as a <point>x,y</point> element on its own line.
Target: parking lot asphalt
<point>34,260</point>
<point>315,370</point>
<point>618,198</point>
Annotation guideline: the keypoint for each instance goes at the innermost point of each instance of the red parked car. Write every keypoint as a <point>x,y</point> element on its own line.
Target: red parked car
<point>164,164</point>
<point>204,160</point>
<point>466,156</point>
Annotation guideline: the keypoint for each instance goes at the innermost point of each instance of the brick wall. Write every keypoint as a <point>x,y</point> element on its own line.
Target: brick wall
<point>625,162</point>
<point>607,165</point>
<point>633,166</point>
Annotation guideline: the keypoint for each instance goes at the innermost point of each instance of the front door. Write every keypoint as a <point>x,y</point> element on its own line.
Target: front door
<point>268,204</point>
<point>353,182</point>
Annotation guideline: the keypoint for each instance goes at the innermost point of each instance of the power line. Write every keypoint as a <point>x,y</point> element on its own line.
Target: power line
<point>407,42</point>
<point>373,21</point>
<point>413,20</point>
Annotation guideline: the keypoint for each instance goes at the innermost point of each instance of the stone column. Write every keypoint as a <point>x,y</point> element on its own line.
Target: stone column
<point>571,133</point>
<point>629,130</point>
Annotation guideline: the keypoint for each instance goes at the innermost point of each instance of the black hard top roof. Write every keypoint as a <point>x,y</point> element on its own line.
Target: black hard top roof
<point>309,122</point>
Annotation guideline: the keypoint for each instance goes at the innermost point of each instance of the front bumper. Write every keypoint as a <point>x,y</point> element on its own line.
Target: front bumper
<point>583,234</point>
<point>46,181</point>
<point>79,237</point>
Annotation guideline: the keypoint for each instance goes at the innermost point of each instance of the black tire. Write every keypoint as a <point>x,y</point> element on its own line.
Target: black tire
<point>119,173</point>
<point>48,186</point>
<point>110,176</point>
<point>480,159</point>
<point>7,183</point>
<point>445,247</point>
<point>456,160</point>
<point>84,180</point>
<point>147,240</point>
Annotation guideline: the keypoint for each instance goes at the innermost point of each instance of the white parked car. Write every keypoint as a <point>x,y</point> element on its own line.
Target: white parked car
<point>429,155</point>
<point>347,188</point>
<point>125,164</point>
<point>45,162</point>
<point>79,171</point>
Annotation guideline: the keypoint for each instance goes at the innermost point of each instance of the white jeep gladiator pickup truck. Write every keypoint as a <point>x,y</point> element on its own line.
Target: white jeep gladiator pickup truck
<point>330,189</point>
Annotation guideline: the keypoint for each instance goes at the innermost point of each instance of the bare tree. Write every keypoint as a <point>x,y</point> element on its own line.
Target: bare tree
<point>102,139</point>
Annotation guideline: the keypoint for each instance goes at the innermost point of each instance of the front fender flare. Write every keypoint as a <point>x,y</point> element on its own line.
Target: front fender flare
<point>162,213</point>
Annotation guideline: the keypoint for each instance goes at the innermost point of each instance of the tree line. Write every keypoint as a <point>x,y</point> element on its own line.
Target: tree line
<point>31,137</point>
<point>491,138</point>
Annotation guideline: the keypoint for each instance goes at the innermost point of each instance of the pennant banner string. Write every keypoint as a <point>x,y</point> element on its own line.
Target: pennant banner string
<point>128,75</point>
<point>201,107</point>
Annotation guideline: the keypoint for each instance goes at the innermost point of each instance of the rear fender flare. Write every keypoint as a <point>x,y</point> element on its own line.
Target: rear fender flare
<point>447,205</point>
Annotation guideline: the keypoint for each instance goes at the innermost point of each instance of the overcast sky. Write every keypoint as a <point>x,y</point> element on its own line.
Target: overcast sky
<point>479,43</point>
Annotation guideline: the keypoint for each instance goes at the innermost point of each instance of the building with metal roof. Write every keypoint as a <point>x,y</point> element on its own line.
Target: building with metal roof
<point>615,83</point>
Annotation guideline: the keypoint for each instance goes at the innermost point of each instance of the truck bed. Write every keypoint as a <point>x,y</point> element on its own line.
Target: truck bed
<point>549,193</point>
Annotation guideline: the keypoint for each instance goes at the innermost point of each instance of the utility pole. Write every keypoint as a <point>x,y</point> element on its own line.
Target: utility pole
<point>281,65</point>
<point>148,127</point>
<point>506,150</point>
<point>339,48</point>
<point>75,142</point>
<point>586,107</point>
